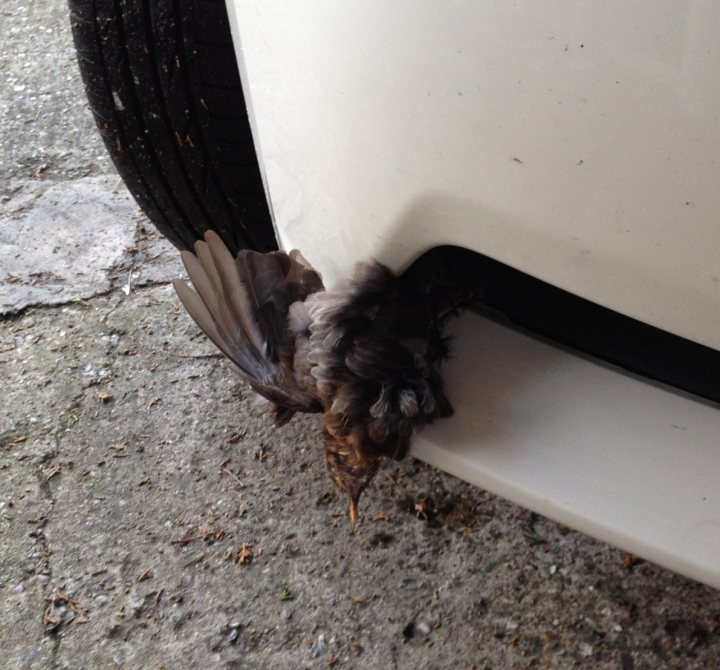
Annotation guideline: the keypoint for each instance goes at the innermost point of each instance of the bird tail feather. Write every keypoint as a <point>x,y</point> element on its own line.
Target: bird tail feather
<point>242,303</point>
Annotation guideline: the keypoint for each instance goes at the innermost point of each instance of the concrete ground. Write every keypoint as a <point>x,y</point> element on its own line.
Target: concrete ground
<point>151,516</point>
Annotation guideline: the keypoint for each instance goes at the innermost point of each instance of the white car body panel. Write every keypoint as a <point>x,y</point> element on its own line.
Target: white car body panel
<point>617,457</point>
<point>577,142</point>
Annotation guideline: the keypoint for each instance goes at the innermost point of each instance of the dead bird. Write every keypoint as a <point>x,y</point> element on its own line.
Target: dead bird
<point>366,354</point>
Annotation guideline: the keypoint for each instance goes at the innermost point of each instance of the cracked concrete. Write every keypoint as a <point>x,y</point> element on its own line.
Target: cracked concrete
<point>60,243</point>
<point>152,517</point>
<point>71,240</point>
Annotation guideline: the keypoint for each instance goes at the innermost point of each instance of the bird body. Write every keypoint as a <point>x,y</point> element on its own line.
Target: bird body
<point>366,354</point>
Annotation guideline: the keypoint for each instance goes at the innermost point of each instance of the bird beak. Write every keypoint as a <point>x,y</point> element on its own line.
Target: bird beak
<point>353,511</point>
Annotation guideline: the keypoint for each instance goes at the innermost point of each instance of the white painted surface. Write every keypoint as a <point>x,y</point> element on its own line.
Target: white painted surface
<point>389,127</point>
<point>577,141</point>
<point>626,461</point>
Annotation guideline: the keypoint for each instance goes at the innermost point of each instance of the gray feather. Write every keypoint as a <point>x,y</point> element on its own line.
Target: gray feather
<point>242,305</point>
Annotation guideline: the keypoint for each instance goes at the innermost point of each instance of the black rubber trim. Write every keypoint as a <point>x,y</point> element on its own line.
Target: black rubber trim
<point>162,80</point>
<point>588,327</point>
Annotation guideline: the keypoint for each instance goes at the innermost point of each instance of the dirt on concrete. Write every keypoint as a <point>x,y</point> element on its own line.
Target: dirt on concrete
<point>152,517</point>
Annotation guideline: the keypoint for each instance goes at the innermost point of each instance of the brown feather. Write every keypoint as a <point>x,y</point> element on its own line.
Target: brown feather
<point>242,306</point>
<point>201,315</point>
<point>234,289</point>
<point>229,335</point>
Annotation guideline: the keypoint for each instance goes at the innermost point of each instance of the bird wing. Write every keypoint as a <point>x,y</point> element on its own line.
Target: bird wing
<point>242,305</point>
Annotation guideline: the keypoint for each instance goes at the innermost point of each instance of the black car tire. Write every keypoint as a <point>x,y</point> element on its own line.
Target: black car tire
<point>163,83</point>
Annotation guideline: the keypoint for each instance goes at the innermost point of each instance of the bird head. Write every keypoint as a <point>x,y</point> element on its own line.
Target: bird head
<point>350,466</point>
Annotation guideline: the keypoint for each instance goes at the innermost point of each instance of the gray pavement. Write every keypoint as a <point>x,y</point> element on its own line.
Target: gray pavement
<point>152,517</point>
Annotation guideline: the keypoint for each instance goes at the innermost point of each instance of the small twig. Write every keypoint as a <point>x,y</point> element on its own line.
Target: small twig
<point>188,538</point>
<point>57,597</point>
<point>145,574</point>
<point>192,356</point>
<point>52,473</point>
<point>203,534</point>
<point>230,473</point>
